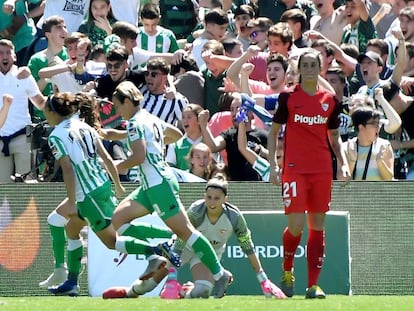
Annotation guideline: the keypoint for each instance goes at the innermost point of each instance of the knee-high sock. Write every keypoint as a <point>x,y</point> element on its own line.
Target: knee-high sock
<point>130,245</point>
<point>205,251</point>
<point>315,252</point>
<point>144,231</point>
<point>57,225</point>
<point>75,253</point>
<point>290,244</point>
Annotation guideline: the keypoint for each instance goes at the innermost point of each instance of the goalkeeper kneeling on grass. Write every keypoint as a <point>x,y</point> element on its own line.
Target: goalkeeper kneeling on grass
<point>217,220</point>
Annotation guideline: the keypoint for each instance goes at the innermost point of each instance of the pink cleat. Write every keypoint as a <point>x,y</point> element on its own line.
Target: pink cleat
<point>271,290</point>
<point>171,290</point>
<point>172,287</point>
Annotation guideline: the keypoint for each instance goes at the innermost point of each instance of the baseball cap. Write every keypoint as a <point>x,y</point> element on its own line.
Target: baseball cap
<point>372,56</point>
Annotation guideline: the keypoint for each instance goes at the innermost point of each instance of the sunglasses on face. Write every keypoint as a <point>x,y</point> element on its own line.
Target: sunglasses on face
<point>255,33</point>
<point>115,66</point>
<point>153,74</point>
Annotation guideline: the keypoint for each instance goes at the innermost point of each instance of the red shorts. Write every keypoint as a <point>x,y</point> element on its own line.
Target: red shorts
<point>306,192</point>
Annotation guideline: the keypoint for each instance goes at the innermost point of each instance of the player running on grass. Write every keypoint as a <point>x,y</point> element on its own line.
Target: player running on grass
<point>158,190</point>
<point>78,148</point>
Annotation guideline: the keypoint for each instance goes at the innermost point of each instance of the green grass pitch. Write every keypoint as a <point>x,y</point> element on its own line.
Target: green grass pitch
<point>233,303</point>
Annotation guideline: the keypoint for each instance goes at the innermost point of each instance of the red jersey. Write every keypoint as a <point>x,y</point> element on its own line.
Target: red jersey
<point>307,118</point>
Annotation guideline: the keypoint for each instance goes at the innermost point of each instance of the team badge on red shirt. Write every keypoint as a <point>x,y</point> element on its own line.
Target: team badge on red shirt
<point>325,106</point>
<point>287,202</point>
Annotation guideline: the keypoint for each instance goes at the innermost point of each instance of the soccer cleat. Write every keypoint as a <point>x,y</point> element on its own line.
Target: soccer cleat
<point>141,287</point>
<point>153,266</point>
<point>67,288</point>
<point>171,290</point>
<point>165,249</point>
<point>58,276</point>
<point>222,284</point>
<point>315,292</point>
<point>186,288</point>
<point>115,292</point>
<point>270,290</point>
<point>287,283</point>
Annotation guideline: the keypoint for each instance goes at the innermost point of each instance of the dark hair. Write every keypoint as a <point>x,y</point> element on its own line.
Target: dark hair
<point>188,63</point>
<point>338,71</point>
<point>125,30</point>
<point>90,20</point>
<point>50,22</point>
<point>296,16</point>
<point>66,104</point>
<point>97,50</point>
<point>218,182</point>
<point>229,44</point>
<point>277,57</point>
<point>225,100</point>
<point>117,53</point>
<point>150,11</point>
<point>216,16</point>
<point>410,49</point>
<point>159,63</point>
<point>362,114</point>
<point>244,9</point>
<point>350,49</point>
<point>380,44</point>
<point>326,45</point>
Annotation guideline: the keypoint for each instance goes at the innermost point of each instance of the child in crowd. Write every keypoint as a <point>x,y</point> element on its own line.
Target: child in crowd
<point>98,24</point>
<point>64,75</point>
<point>153,37</point>
<point>55,32</point>
<point>369,156</point>
<point>201,160</point>
<point>177,154</point>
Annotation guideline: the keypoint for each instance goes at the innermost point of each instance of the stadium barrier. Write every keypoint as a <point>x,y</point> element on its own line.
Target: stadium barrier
<point>381,231</point>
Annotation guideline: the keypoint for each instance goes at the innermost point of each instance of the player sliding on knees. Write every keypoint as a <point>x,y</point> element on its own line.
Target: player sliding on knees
<point>211,216</point>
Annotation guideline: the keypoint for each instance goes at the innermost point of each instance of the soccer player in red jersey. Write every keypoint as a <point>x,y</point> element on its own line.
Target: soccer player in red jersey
<point>311,118</point>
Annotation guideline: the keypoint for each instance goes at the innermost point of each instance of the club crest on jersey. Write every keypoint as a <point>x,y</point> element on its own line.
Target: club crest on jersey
<point>287,202</point>
<point>325,106</point>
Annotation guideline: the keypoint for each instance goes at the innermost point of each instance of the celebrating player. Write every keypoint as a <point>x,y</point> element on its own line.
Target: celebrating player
<point>145,139</point>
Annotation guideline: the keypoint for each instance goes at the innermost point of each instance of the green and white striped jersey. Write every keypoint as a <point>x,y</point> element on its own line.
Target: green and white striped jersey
<point>262,166</point>
<point>147,127</point>
<point>163,41</point>
<point>77,140</point>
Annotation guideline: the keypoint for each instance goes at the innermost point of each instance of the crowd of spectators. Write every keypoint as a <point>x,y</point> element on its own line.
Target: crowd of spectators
<point>191,59</point>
